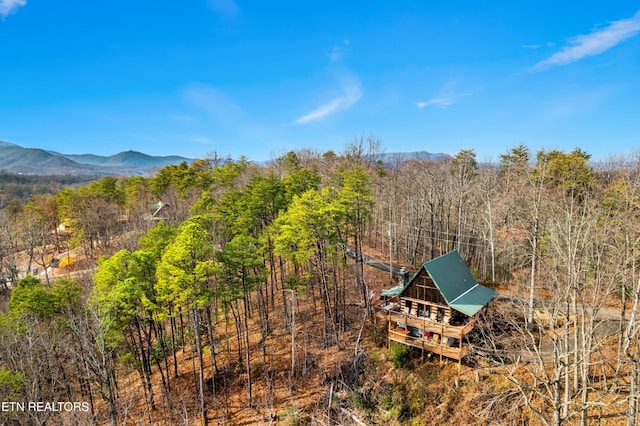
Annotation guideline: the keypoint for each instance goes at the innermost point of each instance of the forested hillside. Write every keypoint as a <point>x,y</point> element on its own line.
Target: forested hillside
<point>222,292</point>
<point>18,189</point>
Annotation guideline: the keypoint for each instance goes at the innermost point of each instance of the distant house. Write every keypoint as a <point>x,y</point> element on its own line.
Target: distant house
<point>435,309</point>
<point>154,213</point>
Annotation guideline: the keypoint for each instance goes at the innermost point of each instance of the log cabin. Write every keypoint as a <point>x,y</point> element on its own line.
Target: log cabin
<point>435,308</point>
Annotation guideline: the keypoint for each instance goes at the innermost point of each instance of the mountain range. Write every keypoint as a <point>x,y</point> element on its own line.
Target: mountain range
<point>35,161</point>
<point>390,159</point>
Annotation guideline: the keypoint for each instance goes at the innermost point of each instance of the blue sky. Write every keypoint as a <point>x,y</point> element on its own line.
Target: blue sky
<point>260,78</point>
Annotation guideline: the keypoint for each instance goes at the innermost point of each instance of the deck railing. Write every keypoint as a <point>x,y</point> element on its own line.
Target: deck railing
<point>437,339</point>
<point>440,348</point>
<point>425,323</point>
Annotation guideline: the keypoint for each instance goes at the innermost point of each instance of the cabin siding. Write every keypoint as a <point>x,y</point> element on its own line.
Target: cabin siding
<point>419,315</point>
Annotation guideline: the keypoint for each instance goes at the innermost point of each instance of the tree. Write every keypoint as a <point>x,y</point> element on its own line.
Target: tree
<point>308,233</point>
<point>183,282</point>
<point>463,167</point>
<point>355,202</point>
<point>239,274</point>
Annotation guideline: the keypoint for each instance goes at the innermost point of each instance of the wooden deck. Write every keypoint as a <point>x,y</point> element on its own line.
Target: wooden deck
<point>425,323</point>
<point>441,348</point>
<point>439,333</point>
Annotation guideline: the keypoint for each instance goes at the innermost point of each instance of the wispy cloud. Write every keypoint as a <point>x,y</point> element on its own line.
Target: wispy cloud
<point>569,105</point>
<point>351,94</point>
<point>449,96</point>
<point>537,46</point>
<point>183,118</point>
<point>336,53</point>
<point>202,140</point>
<point>215,102</point>
<point>225,8</point>
<point>10,6</point>
<point>441,101</point>
<point>598,41</point>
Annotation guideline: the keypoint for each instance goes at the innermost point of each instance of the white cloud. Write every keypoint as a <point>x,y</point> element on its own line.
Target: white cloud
<point>351,94</point>
<point>449,96</point>
<point>595,43</point>
<point>10,6</point>
<point>441,101</point>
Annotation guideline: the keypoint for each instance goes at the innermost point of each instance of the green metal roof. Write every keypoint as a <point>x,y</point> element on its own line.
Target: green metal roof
<point>456,283</point>
<point>393,291</point>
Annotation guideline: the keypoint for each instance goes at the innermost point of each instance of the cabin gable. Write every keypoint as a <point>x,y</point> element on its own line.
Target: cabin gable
<point>422,287</point>
<point>434,310</point>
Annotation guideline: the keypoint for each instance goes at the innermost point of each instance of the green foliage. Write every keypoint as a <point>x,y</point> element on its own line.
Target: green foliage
<point>181,177</point>
<point>157,238</point>
<point>68,295</point>
<point>299,182</point>
<point>516,159</point>
<point>399,353</point>
<point>11,384</point>
<point>125,286</point>
<point>225,175</point>
<point>186,265</point>
<point>295,283</point>
<point>396,401</point>
<point>355,196</point>
<point>293,417</point>
<point>567,172</point>
<point>30,298</point>
<point>19,188</point>
<point>109,188</point>
<point>361,401</point>
<point>135,188</point>
<point>291,160</point>
<point>250,211</point>
<point>203,206</point>
<point>240,267</point>
<point>114,293</point>
<point>202,175</point>
<point>310,224</point>
<point>464,164</point>
<point>517,155</point>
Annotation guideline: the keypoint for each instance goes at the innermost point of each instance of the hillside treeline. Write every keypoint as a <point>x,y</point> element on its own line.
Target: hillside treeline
<point>223,291</point>
<point>18,188</point>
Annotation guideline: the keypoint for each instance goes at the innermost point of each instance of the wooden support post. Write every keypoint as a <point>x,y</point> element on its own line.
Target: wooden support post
<point>389,330</point>
<point>460,354</point>
<point>441,340</point>
<point>424,329</point>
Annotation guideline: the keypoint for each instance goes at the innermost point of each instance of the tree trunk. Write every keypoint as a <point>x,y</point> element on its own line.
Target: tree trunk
<point>201,396</point>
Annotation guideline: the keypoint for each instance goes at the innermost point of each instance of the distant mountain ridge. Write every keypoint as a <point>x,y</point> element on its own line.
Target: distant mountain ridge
<point>34,161</point>
<point>389,158</point>
<point>17,159</point>
<point>125,159</point>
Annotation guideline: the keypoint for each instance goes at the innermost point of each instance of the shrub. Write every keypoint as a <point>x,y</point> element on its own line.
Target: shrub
<point>399,354</point>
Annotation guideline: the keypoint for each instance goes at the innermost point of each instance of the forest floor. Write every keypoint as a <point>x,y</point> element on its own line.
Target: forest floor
<point>318,393</point>
<point>282,399</point>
